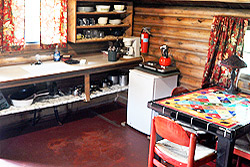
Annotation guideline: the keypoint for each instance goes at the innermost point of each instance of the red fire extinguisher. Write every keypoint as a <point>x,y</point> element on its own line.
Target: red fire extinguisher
<point>145,33</point>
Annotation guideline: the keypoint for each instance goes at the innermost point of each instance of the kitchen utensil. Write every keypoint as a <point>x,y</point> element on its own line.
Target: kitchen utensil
<point>114,78</point>
<point>78,36</point>
<point>91,21</point>
<point>79,22</point>
<point>3,102</point>
<point>101,34</point>
<point>25,97</point>
<point>131,47</point>
<point>112,55</point>
<point>117,32</point>
<point>165,60</point>
<point>85,9</point>
<point>123,79</point>
<point>95,33</point>
<point>102,20</point>
<point>102,8</point>
<point>119,7</point>
<point>85,22</point>
<point>88,34</point>
<point>115,21</point>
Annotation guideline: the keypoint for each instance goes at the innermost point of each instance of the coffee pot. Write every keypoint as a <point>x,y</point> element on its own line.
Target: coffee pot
<point>165,60</point>
<point>131,47</point>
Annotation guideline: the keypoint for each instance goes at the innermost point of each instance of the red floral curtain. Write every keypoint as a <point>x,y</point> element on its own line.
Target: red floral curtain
<point>1,24</point>
<point>11,25</point>
<point>226,39</point>
<point>53,23</point>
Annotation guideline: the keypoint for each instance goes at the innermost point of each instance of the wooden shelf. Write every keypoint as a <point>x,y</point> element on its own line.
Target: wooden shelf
<point>107,38</point>
<point>51,101</point>
<point>103,26</point>
<point>102,13</point>
<point>73,15</point>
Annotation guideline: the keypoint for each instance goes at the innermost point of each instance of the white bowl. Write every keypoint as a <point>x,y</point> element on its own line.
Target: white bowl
<point>115,21</point>
<point>102,20</point>
<point>21,103</point>
<point>119,7</point>
<point>102,8</point>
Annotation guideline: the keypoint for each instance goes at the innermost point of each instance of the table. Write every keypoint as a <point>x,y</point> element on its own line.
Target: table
<point>213,110</point>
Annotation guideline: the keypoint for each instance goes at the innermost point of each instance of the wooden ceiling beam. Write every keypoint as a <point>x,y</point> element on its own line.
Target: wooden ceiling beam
<point>224,1</point>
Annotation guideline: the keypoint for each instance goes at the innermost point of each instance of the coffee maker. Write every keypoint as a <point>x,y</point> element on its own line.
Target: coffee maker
<point>131,47</point>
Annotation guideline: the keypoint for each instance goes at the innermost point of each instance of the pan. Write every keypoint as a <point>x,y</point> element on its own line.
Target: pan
<point>25,97</point>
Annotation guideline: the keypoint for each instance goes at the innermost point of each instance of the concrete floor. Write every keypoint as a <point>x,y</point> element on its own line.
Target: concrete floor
<point>94,137</point>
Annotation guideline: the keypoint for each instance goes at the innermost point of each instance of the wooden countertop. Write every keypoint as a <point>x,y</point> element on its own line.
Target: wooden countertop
<point>19,75</point>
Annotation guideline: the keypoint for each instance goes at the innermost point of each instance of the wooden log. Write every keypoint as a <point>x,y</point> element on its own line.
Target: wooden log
<point>196,46</point>
<point>194,12</point>
<point>190,70</point>
<point>189,87</point>
<point>178,32</point>
<point>174,21</point>
<point>184,56</point>
<point>87,48</point>
<point>189,80</point>
<point>188,57</point>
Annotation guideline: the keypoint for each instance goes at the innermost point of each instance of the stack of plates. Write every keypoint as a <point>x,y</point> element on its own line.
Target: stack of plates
<point>85,9</point>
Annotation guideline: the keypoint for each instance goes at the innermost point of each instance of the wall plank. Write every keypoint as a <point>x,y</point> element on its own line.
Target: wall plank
<point>186,31</point>
<point>177,32</point>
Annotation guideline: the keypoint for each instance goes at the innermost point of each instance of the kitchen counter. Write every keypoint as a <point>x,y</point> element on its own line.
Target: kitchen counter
<point>25,74</point>
<point>20,75</point>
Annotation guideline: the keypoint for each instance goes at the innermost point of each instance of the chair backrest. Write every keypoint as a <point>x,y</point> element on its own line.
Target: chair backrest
<point>179,90</point>
<point>171,131</point>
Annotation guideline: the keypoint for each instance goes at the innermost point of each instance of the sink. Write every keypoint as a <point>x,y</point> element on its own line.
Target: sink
<point>49,68</point>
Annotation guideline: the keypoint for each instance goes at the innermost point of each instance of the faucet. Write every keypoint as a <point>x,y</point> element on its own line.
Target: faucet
<point>38,60</point>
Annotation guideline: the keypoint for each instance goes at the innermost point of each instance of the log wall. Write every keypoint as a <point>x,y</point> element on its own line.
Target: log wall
<point>186,31</point>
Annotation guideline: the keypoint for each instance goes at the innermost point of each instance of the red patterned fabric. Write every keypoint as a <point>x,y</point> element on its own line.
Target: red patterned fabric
<point>1,24</point>
<point>53,23</point>
<point>12,25</point>
<point>226,39</point>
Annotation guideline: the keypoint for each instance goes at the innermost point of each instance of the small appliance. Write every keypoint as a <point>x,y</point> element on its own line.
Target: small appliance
<point>165,60</point>
<point>131,47</point>
<point>164,65</point>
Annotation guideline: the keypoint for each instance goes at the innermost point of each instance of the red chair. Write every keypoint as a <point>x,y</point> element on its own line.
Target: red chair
<point>178,147</point>
<point>242,149</point>
<point>179,90</point>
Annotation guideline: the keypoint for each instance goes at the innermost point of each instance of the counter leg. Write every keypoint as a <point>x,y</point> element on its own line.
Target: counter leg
<point>87,86</point>
<point>57,116</point>
<point>34,118</point>
<point>225,149</point>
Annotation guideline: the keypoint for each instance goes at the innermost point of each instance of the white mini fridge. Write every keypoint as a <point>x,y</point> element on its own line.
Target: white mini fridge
<point>144,87</point>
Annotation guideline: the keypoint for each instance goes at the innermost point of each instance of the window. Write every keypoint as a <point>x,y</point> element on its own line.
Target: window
<point>32,22</point>
<point>25,22</point>
<point>246,52</point>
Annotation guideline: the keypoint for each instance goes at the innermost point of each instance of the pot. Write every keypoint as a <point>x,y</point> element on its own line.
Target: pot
<point>25,97</point>
<point>123,79</point>
<point>114,78</point>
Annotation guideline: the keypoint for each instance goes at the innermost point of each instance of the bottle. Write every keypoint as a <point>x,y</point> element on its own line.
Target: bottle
<point>57,54</point>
